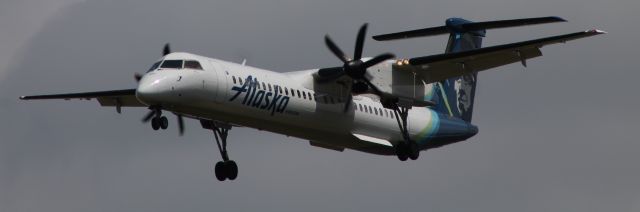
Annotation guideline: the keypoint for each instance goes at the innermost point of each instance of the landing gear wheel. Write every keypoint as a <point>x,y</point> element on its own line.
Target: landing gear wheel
<point>401,151</point>
<point>413,150</point>
<point>231,169</point>
<point>220,171</point>
<point>164,123</point>
<point>155,123</point>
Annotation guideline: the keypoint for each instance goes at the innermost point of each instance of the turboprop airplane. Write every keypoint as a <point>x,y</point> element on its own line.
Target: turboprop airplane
<point>378,105</point>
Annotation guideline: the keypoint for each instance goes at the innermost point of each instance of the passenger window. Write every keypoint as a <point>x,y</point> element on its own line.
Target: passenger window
<point>263,86</point>
<point>177,64</point>
<point>360,106</point>
<point>269,86</point>
<point>240,80</point>
<point>370,109</point>
<point>299,96</point>
<point>192,64</point>
<point>286,91</point>
<point>304,95</point>
<point>234,79</point>
<point>310,97</point>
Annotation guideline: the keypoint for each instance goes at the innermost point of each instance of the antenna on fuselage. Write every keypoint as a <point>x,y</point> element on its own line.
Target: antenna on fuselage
<point>244,62</point>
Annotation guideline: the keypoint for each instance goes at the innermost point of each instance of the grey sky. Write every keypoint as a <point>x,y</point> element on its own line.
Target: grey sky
<point>556,136</point>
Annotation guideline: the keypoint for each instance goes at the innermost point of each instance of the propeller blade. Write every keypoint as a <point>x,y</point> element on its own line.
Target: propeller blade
<point>148,116</point>
<point>180,125</point>
<point>378,59</point>
<point>375,89</point>
<point>137,76</point>
<point>348,103</point>
<point>166,50</point>
<point>357,53</point>
<point>335,49</point>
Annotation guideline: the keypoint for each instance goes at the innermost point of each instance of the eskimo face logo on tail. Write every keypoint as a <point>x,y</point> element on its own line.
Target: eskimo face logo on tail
<point>464,89</point>
<point>261,99</point>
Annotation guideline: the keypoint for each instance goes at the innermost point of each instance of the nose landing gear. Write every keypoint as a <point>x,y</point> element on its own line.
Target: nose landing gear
<point>158,121</point>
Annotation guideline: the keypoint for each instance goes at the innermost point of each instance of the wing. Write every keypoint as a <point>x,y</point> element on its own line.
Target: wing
<point>113,98</point>
<point>436,68</point>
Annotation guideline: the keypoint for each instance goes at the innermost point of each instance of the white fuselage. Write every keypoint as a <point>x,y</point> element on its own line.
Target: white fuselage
<point>280,103</point>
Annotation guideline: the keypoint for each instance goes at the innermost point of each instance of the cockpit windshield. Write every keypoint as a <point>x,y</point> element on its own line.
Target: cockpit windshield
<point>192,64</point>
<point>154,66</point>
<point>176,64</point>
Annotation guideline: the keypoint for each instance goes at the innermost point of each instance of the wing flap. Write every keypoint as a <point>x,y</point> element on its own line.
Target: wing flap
<point>372,139</point>
<point>435,68</point>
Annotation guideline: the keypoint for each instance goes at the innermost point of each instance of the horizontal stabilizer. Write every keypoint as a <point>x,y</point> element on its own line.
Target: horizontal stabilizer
<point>460,25</point>
<point>435,68</point>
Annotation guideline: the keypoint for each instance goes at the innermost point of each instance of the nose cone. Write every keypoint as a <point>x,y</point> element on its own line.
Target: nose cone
<point>152,89</point>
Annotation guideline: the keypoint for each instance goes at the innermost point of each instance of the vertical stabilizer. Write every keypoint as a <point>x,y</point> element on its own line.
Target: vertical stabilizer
<point>456,95</point>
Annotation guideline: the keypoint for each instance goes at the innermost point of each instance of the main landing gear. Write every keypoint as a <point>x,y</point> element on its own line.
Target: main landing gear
<point>225,169</point>
<point>407,148</point>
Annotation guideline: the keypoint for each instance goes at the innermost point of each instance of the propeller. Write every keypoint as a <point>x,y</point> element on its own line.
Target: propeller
<point>156,110</point>
<point>355,68</point>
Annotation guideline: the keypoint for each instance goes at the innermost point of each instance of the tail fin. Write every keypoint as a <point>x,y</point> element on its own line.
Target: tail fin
<point>457,94</point>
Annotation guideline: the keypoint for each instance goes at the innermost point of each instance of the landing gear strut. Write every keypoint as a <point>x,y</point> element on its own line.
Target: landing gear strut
<point>225,169</point>
<point>407,148</point>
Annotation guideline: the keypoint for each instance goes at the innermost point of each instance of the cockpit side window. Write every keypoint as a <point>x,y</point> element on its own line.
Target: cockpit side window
<point>154,66</point>
<point>192,64</point>
<point>177,64</point>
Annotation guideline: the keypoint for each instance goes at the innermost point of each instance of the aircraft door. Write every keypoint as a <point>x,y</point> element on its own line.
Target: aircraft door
<point>216,81</point>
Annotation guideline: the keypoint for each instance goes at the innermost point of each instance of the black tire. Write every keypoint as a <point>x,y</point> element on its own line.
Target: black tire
<point>155,124</point>
<point>414,150</point>
<point>232,169</point>
<point>220,171</point>
<point>401,151</point>
<point>164,123</point>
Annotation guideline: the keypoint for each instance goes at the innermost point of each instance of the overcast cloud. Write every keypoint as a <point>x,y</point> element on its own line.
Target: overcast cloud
<point>559,135</point>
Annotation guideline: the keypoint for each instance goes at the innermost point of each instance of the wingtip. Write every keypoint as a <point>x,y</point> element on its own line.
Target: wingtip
<point>597,31</point>
<point>560,19</point>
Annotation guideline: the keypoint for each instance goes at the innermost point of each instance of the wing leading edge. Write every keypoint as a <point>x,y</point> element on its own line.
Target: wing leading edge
<point>438,67</point>
<point>112,98</point>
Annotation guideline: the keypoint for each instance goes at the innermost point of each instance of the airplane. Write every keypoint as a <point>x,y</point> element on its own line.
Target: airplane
<point>379,105</point>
